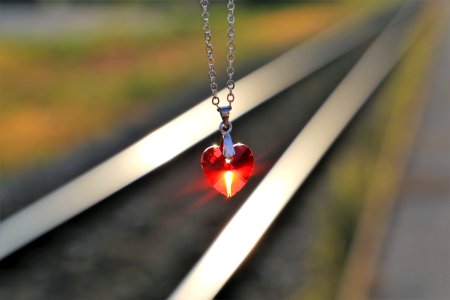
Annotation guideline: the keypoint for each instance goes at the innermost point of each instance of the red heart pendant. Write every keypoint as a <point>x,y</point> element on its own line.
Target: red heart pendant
<point>228,176</point>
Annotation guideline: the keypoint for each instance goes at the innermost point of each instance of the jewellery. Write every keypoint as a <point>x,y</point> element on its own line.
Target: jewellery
<point>227,167</point>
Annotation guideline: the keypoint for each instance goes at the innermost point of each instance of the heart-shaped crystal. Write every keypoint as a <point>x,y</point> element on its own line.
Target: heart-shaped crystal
<point>228,176</point>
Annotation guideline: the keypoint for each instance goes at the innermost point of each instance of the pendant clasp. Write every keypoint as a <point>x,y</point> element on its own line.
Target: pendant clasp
<point>224,112</point>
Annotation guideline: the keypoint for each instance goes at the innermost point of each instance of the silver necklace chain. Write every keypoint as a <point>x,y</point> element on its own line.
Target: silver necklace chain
<point>209,52</point>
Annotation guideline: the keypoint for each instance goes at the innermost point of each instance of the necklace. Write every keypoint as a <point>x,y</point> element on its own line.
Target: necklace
<point>227,167</point>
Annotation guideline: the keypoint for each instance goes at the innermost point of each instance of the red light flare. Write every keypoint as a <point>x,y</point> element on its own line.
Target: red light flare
<point>227,176</point>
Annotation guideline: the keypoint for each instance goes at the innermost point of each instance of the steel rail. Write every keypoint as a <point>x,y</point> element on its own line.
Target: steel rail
<point>266,202</point>
<point>180,134</point>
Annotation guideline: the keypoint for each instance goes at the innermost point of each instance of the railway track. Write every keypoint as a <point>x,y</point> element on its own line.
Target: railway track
<point>158,217</point>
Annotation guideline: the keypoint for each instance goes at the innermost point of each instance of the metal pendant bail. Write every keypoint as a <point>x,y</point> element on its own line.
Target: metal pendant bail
<point>226,143</point>
<point>224,112</point>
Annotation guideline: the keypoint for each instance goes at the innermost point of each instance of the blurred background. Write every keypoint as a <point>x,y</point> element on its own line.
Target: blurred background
<point>81,80</point>
<point>90,67</point>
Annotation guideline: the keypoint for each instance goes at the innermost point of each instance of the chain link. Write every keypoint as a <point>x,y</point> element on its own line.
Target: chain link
<point>209,51</point>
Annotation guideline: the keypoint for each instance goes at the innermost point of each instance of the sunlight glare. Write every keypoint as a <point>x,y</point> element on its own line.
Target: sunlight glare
<point>228,181</point>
